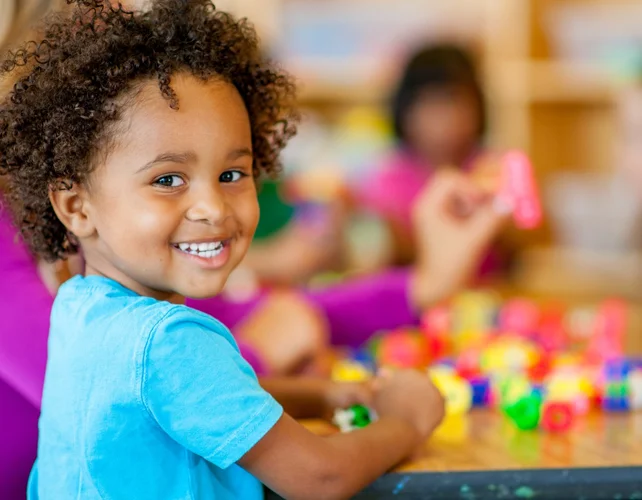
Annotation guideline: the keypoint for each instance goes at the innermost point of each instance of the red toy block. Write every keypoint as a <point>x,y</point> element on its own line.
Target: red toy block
<point>403,349</point>
<point>557,416</point>
<point>519,316</point>
<point>436,327</point>
<point>551,332</point>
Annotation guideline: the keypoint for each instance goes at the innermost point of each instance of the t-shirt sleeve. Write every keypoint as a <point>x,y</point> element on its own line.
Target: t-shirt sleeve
<point>201,392</point>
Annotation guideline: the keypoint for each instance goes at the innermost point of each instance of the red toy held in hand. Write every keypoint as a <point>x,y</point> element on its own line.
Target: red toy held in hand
<point>519,190</point>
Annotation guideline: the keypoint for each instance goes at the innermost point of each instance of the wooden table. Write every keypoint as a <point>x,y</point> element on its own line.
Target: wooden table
<point>482,455</point>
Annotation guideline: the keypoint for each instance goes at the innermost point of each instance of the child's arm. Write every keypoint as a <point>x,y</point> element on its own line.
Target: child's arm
<point>295,463</point>
<point>298,464</point>
<point>197,388</point>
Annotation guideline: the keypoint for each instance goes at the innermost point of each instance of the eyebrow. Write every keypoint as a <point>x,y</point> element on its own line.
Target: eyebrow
<point>240,153</point>
<point>189,156</point>
<point>169,157</point>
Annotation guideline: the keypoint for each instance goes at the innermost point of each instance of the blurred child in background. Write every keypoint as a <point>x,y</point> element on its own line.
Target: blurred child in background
<point>439,120</point>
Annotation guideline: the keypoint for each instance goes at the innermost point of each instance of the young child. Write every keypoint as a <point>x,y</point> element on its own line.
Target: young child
<point>136,137</point>
<point>439,120</point>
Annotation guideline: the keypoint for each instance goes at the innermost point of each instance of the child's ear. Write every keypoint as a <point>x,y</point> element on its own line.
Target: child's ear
<point>70,203</point>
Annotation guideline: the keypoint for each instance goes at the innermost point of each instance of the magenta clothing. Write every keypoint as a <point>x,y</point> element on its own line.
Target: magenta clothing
<point>24,326</point>
<point>354,310</point>
<point>25,305</point>
<point>392,187</point>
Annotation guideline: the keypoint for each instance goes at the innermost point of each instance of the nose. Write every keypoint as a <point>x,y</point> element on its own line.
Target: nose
<point>208,205</point>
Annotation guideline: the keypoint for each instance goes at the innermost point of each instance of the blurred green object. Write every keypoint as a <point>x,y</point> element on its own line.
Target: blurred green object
<point>326,279</point>
<point>525,413</point>
<point>276,213</point>
<point>361,416</point>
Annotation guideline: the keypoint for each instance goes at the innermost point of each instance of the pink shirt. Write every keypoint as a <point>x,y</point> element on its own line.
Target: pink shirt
<point>392,188</point>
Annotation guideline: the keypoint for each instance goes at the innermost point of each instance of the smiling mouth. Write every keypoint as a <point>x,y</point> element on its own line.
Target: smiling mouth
<point>206,250</point>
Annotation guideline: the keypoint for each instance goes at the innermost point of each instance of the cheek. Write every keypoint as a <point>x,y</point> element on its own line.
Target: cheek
<point>127,220</point>
<point>247,211</point>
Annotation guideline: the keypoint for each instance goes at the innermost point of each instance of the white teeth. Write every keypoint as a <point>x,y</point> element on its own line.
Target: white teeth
<point>205,250</point>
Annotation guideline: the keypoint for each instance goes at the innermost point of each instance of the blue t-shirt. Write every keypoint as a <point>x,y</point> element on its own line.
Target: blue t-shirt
<point>144,399</point>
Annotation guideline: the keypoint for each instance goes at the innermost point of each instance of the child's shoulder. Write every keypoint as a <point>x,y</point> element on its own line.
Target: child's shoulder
<point>102,296</point>
<point>98,301</point>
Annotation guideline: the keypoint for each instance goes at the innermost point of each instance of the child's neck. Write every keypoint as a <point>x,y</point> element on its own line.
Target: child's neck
<point>133,285</point>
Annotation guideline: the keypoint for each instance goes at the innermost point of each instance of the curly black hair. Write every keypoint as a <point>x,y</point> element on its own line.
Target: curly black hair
<point>73,83</point>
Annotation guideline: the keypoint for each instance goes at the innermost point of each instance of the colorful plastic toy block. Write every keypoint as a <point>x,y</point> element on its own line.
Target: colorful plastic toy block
<point>513,388</point>
<point>519,316</point>
<point>347,370</point>
<point>481,390</point>
<point>456,390</point>
<point>352,418</point>
<point>525,412</point>
<point>403,349</point>
<point>616,396</point>
<point>557,416</point>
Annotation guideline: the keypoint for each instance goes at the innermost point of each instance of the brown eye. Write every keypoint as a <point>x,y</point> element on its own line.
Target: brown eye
<point>232,176</point>
<point>169,181</point>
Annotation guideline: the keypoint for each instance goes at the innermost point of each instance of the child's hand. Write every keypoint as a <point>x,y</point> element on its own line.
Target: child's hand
<point>409,395</point>
<point>346,394</point>
<point>454,222</point>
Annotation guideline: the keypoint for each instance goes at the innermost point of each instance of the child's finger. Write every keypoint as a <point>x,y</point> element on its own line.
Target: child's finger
<point>488,220</point>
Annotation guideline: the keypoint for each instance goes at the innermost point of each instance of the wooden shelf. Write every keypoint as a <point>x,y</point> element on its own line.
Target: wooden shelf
<point>532,82</point>
<point>517,82</point>
<point>342,94</point>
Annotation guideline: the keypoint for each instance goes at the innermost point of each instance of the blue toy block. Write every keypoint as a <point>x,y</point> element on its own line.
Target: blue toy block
<point>481,391</point>
<point>366,358</point>
<point>615,404</point>
<point>538,390</point>
<point>617,369</point>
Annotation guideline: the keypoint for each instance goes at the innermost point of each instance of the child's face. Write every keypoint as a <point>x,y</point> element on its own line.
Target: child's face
<point>442,125</point>
<point>173,209</point>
